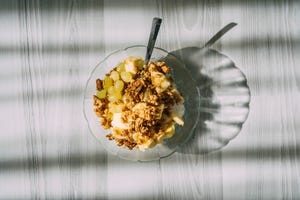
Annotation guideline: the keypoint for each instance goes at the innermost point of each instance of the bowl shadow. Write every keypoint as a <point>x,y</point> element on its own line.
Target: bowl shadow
<point>224,99</point>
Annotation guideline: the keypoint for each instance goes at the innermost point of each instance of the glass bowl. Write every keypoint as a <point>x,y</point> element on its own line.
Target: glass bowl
<point>185,84</point>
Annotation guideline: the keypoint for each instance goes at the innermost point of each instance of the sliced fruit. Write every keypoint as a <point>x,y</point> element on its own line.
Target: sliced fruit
<point>126,77</point>
<point>116,108</point>
<point>107,82</point>
<point>101,94</point>
<point>111,90</point>
<point>119,85</point>
<point>121,67</point>
<point>115,75</point>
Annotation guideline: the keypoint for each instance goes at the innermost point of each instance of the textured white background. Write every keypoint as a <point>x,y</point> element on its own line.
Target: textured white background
<point>48,49</point>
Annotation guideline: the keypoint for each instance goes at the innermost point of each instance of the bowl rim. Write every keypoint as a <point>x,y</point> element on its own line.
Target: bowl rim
<point>86,118</point>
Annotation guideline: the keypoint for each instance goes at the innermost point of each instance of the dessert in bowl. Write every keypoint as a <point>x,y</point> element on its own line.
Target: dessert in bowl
<point>141,112</point>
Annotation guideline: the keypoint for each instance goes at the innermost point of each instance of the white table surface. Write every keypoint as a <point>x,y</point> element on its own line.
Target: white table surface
<point>48,49</point>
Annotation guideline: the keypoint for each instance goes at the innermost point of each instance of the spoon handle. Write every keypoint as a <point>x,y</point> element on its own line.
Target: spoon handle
<point>152,38</point>
<point>219,34</point>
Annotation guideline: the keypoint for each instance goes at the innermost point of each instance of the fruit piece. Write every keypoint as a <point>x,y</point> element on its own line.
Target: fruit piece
<point>115,75</point>
<point>170,130</point>
<point>109,116</point>
<point>107,82</point>
<point>165,84</point>
<point>148,143</point>
<point>177,119</point>
<point>111,90</point>
<point>117,122</point>
<point>160,81</point>
<point>116,108</point>
<point>114,96</point>
<point>140,63</point>
<point>121,67</point>
<point>157,78</point>
<point>132,64</point>
<point>111,98</point>
<point>131,67</point>
<point>118,95</point>
<point>126,76</point>
<point>119,85</point>
<point>101,94</point>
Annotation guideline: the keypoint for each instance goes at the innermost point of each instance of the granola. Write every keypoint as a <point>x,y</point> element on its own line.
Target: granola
<point>139,104</point>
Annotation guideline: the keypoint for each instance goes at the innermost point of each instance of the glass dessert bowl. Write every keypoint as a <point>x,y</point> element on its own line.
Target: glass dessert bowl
<point>185,85</point>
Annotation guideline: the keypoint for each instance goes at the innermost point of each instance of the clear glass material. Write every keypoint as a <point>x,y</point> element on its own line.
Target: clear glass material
<point>185,83</point>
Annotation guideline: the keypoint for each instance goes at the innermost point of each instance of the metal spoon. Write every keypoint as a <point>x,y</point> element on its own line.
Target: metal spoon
<point>152,38</point>
<point>219,34</point>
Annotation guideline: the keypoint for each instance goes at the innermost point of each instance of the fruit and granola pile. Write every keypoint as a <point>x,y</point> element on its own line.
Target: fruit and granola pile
<point>139,104</point>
